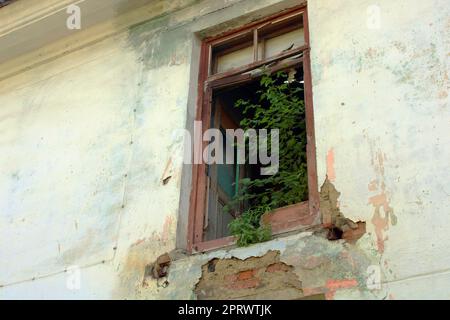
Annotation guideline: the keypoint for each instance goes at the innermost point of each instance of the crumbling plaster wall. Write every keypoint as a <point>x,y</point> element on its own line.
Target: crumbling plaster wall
<point>90,136</point>
<point>382,130</point>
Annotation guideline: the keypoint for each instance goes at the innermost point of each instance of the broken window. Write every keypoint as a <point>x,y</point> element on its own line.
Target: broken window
<point>232,69</point>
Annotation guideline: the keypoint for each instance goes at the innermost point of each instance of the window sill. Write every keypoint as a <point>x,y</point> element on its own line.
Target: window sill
<point>282,220</point>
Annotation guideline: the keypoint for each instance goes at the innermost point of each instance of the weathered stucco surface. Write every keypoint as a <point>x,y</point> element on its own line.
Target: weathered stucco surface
<point>91,158</point>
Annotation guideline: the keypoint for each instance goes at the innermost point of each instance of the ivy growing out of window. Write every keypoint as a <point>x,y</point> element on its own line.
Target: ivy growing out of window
<point>278,104</point>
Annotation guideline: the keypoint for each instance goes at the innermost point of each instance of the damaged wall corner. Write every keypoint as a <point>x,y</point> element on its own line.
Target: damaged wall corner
<point>264,277</point>
<point>337,225</point>
<point>158,270</point>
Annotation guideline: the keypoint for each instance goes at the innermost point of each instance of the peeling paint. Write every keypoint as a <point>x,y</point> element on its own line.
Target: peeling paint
<point>383,214</point>
<point>330,165</point>
<point>334,285</point>
<point>339,227</point>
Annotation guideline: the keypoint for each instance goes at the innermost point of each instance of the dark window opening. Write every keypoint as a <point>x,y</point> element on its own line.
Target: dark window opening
<point>223,180</point>
<point>5,2</point>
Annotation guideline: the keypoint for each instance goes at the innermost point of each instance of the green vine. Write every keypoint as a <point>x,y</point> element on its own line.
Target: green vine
<point>278,105</point>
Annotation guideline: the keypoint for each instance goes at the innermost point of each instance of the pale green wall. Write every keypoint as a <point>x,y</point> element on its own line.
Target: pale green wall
<point>75,191</point>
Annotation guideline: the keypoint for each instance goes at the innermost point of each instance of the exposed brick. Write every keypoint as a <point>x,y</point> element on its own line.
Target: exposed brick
<point>354,234</point>
<point>234,278</point>
<point>245,275</point>
<point>242,280</point>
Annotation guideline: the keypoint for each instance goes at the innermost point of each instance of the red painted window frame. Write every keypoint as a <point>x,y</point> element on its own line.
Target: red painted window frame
<point>206,84</point>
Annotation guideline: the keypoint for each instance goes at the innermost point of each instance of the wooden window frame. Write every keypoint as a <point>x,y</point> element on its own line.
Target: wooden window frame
<point>209,82</point>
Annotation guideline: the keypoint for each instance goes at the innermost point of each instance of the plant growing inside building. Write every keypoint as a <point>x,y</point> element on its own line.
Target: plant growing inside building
<point>278,104</point>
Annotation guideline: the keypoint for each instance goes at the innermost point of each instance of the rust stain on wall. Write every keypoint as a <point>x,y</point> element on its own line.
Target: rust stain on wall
<point>381,222</point>
<point>255,278</point>
<point>383,213</point>
<point>330,165</point>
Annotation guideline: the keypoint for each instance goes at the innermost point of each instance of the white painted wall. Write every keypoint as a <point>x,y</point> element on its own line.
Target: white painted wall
<point>382,107</point>
<point>79,165</point>
<point>74,190</point>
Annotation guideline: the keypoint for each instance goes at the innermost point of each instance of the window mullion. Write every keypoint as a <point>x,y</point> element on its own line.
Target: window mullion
<point>255,45</point>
